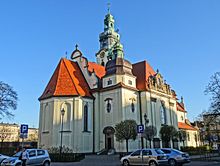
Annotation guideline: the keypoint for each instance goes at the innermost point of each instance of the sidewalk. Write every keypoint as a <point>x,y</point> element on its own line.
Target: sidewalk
<point>206,157</point>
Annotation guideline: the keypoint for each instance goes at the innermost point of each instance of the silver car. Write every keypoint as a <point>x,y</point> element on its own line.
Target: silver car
<point>35,157</point>
<point>151,157</point>
<point>176,157</point>
<point>3,157</point>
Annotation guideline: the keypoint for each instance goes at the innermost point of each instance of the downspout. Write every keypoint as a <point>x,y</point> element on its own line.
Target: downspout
<point>93,131</point>
<point>140,105</point>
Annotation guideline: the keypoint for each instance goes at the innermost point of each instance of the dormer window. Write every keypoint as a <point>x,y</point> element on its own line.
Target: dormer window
<point>103,63</point>
<point>109,82</point>
<point>182,118</point>
<point>129,82</point>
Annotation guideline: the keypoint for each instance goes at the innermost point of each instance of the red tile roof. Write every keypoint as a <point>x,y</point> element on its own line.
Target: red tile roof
<point>142,70</point>
<point>180,107</point>
<point>98,69</point>
<point>185,126</point>
<point>67,80</point>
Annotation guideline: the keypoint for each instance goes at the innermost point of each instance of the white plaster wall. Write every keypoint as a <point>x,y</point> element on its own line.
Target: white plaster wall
<point>181,114</point>
<point>73,136</point>
<point>119,78</point>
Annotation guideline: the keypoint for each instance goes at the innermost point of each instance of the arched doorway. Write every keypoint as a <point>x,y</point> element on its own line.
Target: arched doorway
<point>109,137</point>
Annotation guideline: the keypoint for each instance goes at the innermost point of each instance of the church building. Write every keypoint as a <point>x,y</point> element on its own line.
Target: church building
<point>85,100</point>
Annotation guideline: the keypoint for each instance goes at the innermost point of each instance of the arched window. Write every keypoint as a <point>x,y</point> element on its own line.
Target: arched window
<point>103,63</point>
<point>132,107</point>
<point>163,113</point>
<point>85,117</point>
<point>109,106</point>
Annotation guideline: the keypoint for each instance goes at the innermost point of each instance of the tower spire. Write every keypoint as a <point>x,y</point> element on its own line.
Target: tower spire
<point>110,45</point>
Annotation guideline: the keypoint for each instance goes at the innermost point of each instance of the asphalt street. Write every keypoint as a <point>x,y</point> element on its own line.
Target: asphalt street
<point>104,160</point>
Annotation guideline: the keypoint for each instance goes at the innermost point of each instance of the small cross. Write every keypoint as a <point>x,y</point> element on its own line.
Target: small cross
<point>76,46</point>
<point>109,5</point>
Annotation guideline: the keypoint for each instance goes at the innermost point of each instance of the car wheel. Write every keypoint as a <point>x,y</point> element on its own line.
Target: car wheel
<point>152,163</point>
<point>18,164</point>
<point>46,163</point>
<point>172,162</point>
<point>125,163</point>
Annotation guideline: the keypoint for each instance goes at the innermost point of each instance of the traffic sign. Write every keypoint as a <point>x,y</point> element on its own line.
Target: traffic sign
<point>24,129</point>
<point>140,128</point>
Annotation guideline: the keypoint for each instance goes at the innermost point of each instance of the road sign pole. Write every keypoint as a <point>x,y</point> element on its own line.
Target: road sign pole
<point>22,143</point>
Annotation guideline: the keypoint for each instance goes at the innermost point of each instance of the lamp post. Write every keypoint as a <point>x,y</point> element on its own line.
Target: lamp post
<point>146,120</point>
<point>61,132</point>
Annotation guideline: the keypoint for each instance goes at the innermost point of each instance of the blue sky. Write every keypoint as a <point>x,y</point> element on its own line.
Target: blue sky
<point>180,38</point>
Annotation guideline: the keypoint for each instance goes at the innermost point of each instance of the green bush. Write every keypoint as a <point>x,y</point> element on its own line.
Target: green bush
<point>8,151</point>
<point>196,150</point>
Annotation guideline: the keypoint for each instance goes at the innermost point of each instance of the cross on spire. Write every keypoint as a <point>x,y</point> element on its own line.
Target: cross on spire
<point>109,5</point>
<point>76,46</point>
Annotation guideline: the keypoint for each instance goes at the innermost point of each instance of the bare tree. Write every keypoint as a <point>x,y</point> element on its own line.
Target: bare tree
<point>213,89</point>
<point>8,100</point>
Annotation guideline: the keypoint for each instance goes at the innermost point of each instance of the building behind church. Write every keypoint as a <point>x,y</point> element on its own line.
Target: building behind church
<point>97,96</point>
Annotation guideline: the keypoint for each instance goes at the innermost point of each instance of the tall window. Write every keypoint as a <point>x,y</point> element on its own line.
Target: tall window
<point>86,118</point>
<point>163,113</point>
<point>108,105</point>
<point>132,107</point>
<point>188,136</point>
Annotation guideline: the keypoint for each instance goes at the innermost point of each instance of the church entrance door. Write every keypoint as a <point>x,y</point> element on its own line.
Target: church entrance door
<point>109,137</point>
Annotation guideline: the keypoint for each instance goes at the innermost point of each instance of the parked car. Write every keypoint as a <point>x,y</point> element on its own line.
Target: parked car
<point>151,157</point>
<point>35,157</point>
<point>176,157</point>
<point>3,157</point>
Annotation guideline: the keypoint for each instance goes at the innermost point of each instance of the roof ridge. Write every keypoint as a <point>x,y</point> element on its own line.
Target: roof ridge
<point>71,76</point>
<point>58,75</point>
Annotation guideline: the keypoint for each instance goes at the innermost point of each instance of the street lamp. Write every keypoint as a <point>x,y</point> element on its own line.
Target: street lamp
<point>146,120</point>
<point>61,132</point>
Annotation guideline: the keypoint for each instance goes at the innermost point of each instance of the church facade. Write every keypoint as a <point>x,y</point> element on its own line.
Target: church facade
<point>97,96</point>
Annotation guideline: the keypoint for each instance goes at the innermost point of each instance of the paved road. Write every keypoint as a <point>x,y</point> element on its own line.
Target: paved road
<point>93,160</point>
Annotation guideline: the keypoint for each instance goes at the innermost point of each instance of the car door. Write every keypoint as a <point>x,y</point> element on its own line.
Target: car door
<point>135,158</point>
<point>31,157</point>
<point>40,157</point>
<point>145,154</point>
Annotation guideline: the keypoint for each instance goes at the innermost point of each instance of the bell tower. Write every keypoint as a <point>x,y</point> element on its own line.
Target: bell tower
<point>110,46</point>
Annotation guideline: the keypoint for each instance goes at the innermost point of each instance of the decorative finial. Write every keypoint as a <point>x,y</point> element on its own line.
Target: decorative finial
<point>157,70</point>
<point>76,46</point>
<point>181,99</point>
<point>109,5</point>
<point>66,54</point>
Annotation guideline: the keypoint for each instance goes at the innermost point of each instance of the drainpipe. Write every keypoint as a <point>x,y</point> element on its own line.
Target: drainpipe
<point>142,139</point>
<point>93,131</point>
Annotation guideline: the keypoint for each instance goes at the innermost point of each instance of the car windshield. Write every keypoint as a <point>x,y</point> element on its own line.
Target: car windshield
<point>159,151</point>
<point>17,154</point>
<point>177,151</point>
